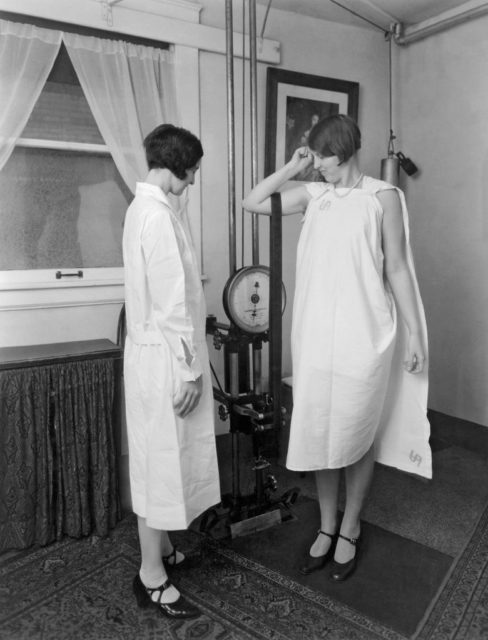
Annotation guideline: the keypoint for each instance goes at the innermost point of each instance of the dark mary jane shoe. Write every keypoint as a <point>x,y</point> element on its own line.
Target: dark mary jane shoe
<point>169,561</point>
<point>342,570</point>
<point>181,608</point>
<point>314,563</point>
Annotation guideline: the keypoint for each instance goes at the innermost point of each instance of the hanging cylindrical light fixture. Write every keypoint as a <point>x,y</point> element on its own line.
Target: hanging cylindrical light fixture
<point>390,165</point>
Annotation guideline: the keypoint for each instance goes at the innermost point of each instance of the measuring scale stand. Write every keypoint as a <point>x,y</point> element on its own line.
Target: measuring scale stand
<point>246,298</point>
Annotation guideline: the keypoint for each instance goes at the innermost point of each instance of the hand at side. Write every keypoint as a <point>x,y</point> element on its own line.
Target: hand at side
<point>415,356</point>
<point>187,397</point>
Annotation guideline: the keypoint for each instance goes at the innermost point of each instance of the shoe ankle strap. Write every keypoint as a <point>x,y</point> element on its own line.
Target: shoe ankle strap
<point>353,541</point>
<point>162,587</point>
<point>332,536</point>
<point>171,555</point>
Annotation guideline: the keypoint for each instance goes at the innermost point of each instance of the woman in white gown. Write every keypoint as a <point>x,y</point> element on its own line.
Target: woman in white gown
<point>355,399</point>
<point>168,393</point>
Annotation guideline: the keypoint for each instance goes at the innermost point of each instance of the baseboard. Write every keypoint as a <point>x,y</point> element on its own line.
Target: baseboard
<point>450,431</point>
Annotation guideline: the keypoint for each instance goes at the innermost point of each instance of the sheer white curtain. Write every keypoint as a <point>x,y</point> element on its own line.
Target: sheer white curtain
<point>130,89</point>
<point>27,54</point>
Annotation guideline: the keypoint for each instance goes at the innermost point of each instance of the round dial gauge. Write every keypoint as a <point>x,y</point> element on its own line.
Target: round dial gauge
<point>246,298</point>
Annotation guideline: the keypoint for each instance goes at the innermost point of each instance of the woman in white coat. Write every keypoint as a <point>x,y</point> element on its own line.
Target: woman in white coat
<point>169,405</point>
<point>354,396</point>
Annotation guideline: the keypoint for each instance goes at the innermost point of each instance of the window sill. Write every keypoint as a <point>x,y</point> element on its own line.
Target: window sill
<point>46,279</point>
<point>33,291</point>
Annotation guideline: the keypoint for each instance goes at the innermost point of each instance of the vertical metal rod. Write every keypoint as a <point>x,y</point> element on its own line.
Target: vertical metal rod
<point>233,357</point>
<point>234,374</point>
<point>275,307</point>
<point>233,360</point>
<point>259,471</point>
<point>236,478</point>
<point>243,157</point>
<point>254,118</point>
<point>230,134</point>
<point>257,367</point>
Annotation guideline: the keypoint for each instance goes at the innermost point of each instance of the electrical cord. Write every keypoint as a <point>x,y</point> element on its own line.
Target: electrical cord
<point>216,379</point>
<point>358,15</point>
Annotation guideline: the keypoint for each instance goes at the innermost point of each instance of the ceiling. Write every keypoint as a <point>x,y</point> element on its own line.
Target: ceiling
<point>383,13</point>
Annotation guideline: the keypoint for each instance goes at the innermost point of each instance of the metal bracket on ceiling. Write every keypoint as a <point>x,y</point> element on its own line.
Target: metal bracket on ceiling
<point>394,32</point>
<point>107,14</point>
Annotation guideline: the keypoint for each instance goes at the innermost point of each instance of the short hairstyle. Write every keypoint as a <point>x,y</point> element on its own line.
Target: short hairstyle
<point>173,148</point>
<point>336,135</point>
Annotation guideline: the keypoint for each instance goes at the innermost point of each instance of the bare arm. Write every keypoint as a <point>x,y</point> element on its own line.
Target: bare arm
<point>293,200</point>
<point>398,275</point>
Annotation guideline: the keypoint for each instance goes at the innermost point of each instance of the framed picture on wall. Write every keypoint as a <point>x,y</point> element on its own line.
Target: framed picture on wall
<point>294,103</point>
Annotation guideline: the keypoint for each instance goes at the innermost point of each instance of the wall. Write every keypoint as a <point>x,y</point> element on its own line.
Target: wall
<point>441,106</point>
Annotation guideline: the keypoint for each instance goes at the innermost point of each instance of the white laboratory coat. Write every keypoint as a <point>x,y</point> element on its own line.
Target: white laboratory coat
<point>173,462</point>
<point>350,390</point>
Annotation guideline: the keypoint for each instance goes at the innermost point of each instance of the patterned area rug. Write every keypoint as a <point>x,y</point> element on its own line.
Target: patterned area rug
<point>460,610</point>
<point>81,589</point>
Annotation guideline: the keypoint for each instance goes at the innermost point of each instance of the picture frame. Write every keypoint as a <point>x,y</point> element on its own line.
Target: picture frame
<point>294,102</point>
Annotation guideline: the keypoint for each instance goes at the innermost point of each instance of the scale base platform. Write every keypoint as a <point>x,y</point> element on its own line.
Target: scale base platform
<point>233,518</point>
<point>255,523</point>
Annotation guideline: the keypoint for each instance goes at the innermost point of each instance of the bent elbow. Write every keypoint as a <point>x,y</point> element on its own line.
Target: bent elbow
<point>395,264</point>
<point>395,272</point>
<point>247,204</point>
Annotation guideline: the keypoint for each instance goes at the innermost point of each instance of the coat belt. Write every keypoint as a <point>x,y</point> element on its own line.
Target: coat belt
<point>146,337</point>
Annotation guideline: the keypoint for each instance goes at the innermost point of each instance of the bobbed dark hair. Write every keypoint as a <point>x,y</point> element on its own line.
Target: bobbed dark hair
<point>173,148</point>
<point>336,135</point>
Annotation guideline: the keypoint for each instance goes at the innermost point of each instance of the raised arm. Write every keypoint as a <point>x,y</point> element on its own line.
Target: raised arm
<point>293,200</point>
<point>399,276</point>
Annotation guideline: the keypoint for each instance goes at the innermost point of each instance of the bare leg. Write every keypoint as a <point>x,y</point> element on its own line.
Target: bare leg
<point>152,572</point>
<point>358,481</point>
<point>166,545</point>
<point>327,481</point>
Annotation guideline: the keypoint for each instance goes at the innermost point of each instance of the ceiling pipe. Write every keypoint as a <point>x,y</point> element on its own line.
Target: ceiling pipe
<point>404,35</point>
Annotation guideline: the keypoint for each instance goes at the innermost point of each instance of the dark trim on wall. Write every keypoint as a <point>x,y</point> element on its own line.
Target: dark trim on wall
<point>81,30</point>
<point>450,431</point>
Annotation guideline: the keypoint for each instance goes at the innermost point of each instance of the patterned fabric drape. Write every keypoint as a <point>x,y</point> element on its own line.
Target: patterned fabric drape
<point>58,473</point>
<point>26,460</point>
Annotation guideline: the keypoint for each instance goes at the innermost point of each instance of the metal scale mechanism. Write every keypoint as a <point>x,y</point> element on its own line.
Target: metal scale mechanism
<point>253,299</point>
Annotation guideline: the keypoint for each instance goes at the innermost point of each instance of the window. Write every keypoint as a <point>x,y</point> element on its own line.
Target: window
<point>62,200</point>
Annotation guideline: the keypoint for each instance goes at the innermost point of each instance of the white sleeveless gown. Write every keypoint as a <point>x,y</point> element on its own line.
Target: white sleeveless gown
<point>349,386</point>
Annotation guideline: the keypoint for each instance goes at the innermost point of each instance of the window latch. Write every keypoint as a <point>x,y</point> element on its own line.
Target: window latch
<point>76,274</point>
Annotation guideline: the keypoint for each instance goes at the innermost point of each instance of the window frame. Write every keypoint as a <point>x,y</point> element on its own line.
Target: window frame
<point>45,279</point>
